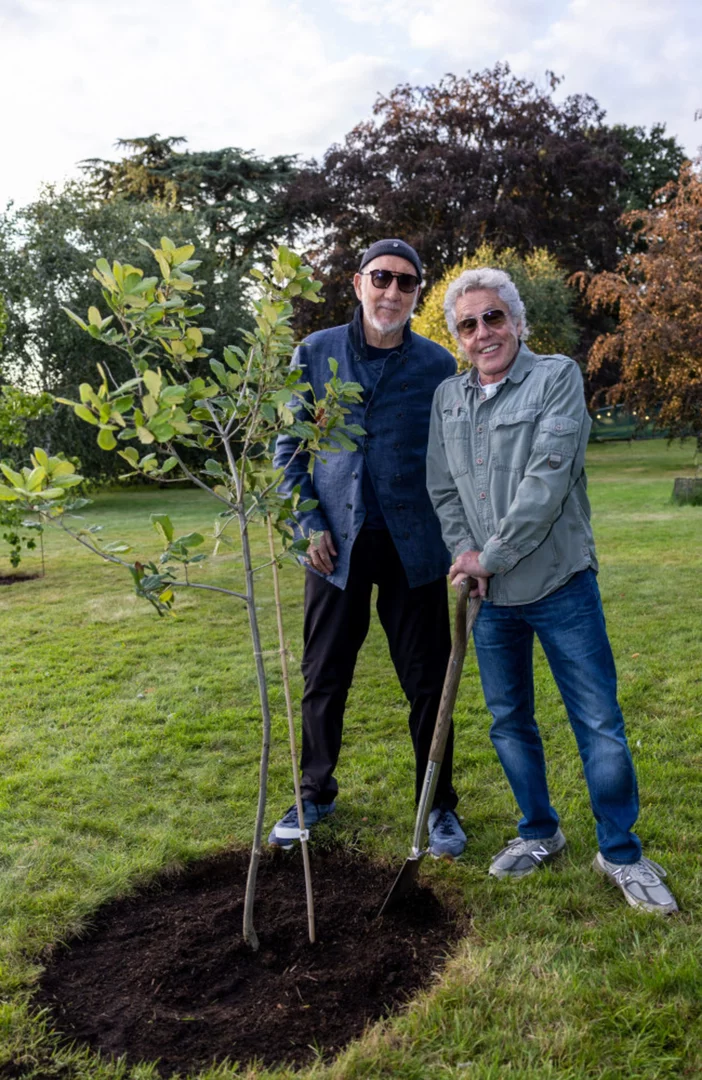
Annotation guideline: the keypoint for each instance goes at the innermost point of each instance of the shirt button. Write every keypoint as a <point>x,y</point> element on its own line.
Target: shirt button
<point>404,386</point>
<point>400,415</point>
<point>354,476</point>
<point>479,429</point>
<point>483,397</point>
<point>349,506</point>
<point>344,536</point>
<point>483,495</point>
<point>479,461</point>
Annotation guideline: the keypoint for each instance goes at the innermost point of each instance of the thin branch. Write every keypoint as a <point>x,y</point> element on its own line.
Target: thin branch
<point>210,588</point>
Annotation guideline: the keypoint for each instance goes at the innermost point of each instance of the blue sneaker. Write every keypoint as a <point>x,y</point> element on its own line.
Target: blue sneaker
<point>446,837</point>
<point>286,831</point>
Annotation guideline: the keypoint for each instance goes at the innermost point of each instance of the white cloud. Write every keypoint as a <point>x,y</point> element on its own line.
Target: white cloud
<point>286,76</point>
<point>638,58</point>
<point>260,76</point>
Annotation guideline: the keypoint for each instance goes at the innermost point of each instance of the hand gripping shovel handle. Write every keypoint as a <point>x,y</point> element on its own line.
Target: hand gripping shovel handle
<point>462,628</point>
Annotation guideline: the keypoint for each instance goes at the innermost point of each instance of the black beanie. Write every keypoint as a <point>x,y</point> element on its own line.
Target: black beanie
<point>392,247</point>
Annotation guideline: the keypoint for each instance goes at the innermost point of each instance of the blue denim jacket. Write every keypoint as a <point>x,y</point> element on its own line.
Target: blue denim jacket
<point>396,422</point>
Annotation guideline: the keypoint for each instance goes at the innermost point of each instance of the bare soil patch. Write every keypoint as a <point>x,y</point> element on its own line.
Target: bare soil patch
<point>14,579</point>
<point>165,975</point>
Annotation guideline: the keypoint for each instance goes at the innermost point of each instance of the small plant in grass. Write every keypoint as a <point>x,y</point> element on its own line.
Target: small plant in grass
<point>213,423</point>
<point>17,408</point>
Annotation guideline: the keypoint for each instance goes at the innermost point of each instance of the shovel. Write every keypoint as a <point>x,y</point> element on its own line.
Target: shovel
<point>463,626</point>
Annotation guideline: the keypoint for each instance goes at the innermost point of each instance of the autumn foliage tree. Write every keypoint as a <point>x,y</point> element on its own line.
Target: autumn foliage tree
<point>657,294</point>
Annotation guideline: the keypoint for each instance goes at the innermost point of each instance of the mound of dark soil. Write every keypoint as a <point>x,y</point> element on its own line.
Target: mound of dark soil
<point>165,975</point>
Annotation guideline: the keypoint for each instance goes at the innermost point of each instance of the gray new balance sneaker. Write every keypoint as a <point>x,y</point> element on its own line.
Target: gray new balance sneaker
<point>640,882</point>
<point>522,857</point>
<point>287,831</point>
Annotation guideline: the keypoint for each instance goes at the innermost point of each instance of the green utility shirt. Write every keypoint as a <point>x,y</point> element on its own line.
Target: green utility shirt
<point>506,475</point>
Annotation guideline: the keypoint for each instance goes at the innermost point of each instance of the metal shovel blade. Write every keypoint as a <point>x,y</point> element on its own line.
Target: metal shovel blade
<point>463,626</point>
<point>404,882</point>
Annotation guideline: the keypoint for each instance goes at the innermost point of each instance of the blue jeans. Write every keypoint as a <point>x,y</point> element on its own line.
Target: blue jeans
<point>571,628</point>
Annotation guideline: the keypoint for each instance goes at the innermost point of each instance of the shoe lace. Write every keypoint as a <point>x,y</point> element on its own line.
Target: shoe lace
<point>289,818</point>
<point>445,825</point>
<point>646,871</point>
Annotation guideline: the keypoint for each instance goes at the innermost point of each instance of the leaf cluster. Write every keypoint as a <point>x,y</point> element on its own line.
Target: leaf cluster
<point>233,414</point>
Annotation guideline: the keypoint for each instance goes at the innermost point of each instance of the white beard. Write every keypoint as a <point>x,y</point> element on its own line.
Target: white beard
<point>385,328</point>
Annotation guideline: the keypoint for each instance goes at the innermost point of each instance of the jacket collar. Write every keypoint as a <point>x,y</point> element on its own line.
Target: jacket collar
<point>357,337</point>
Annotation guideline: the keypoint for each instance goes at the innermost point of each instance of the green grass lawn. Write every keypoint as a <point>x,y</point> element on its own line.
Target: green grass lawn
<point>129,742</point>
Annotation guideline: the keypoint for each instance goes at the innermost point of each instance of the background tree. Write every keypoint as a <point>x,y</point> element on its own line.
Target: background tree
<point>236,195</point>
<point>46,253</point>
<point>542,287</point>
<point>487,157</point>
<point>657,295</point>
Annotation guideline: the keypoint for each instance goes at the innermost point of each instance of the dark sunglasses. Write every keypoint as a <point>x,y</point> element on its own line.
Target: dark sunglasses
<point>382,279</point>
<point>493,319</point>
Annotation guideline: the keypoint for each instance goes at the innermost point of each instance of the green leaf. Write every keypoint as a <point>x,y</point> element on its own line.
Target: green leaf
<point>182,254</point>
<point>131,455</point>
<point>35,478</point>
<point>144,435</point>
<point>15,478</point>
<point>94,317</point>
<point>152,381</point>
<point>61,468</point>
<point>106,440</point>
<point>163,526</point>
<point>117,547</point>
<point>172,395</point>
<point>75,318</point>
<point>193,539</point>
<point>169,463</point>
<point>42,456</point>
<point>84,413</point>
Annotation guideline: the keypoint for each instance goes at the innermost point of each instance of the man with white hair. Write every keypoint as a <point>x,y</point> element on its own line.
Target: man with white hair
<point>505,471</point>
<point>372,524</point>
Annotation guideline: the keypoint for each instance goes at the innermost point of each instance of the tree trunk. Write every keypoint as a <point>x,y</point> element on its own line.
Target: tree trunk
<point>250,936</point>
<point>688,489</point>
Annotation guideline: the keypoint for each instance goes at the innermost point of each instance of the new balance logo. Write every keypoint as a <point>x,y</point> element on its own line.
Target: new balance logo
<point>539,853</point>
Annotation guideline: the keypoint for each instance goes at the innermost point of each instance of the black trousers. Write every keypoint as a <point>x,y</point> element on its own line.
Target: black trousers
<point>416,624</point>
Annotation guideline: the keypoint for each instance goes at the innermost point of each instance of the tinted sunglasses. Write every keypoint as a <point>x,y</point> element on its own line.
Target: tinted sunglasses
<point>493,318</point>
<point>382,279</point>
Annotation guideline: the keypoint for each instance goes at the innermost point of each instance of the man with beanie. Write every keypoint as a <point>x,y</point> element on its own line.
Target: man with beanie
<point>373,525</point>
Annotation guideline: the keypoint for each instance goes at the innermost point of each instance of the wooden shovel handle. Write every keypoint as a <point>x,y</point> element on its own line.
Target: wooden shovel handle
<point>462,628</point>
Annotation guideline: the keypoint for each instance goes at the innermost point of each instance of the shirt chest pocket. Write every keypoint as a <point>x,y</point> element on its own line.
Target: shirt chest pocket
<point>511,437</point>
<point>457,440</point>
<point>557,436</point>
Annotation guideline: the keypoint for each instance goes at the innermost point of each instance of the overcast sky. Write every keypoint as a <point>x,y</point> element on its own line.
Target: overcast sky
<point>293,76</point>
